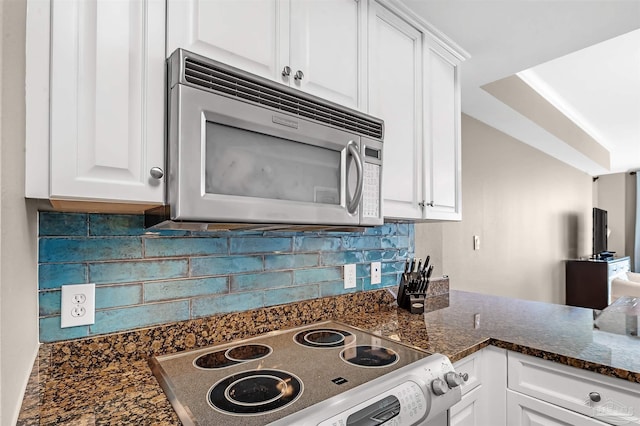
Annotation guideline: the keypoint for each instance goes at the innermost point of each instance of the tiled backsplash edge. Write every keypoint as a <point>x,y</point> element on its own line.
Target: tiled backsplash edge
<point>140,344</point>
<point>149,278</point>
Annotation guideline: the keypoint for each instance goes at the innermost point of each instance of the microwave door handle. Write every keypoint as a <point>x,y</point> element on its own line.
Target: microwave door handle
<point>355,200</point>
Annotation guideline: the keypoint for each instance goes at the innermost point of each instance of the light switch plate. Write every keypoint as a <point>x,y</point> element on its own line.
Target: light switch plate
<point>476,242</point>
<point>77,305</point>
<point>376,272</point>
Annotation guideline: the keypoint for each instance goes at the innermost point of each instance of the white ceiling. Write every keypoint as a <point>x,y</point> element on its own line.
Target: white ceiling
<point>582,55</point>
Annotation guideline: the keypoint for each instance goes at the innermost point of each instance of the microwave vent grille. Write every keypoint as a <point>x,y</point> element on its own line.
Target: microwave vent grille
<point>221,80</point>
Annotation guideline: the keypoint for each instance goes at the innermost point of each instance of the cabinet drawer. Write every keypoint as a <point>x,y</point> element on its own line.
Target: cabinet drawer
<point>471,365</point>
<point>571,388</point>
<point>526,411</point>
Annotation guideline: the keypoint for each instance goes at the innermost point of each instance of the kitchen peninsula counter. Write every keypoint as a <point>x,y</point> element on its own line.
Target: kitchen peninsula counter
<point>106,379</point>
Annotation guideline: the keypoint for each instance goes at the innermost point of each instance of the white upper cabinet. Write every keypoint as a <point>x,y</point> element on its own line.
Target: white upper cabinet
<point>395,88</point>
<point>96,89</point>
<point>325,45</point>
<point>312,45</point>
<point>245,34</point>
<point>443,189</point>
<point>414,87</point>
<point>106,102</point>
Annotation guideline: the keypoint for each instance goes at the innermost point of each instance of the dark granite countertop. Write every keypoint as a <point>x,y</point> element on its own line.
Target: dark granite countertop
<point>106,379</point>
<point>561,333</point>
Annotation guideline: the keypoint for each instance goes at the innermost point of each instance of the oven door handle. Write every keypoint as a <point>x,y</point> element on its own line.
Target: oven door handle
<point>352,146</point>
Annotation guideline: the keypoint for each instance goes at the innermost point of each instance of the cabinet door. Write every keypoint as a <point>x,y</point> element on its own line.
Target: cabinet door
<point>526,411</point>
<point>467,411</point>
<point>250,34</point>
<point>107,100</point>
<point>484,393</point>
<point>442,136</point>
<point>325,42</point>
<point>395,95</point>
<point>492,410</point>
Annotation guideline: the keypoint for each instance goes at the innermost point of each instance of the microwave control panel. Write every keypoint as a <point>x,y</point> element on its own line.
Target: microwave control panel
<point>371,190</point>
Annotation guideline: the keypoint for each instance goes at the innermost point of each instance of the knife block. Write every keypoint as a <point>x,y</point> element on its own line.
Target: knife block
<point>409,298</point>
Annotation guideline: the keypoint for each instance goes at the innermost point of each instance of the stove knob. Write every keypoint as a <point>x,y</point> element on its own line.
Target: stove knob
<point>439,387</point>
<point>454,379</point>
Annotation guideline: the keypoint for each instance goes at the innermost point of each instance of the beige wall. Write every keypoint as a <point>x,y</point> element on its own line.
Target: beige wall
<point>18,281</point>
<point>616,193</point>
<point>530,211</point>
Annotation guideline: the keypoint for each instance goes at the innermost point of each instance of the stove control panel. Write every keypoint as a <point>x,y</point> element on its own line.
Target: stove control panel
<point>451,380</point>
<point>402,405</point>
<point>404,397</point>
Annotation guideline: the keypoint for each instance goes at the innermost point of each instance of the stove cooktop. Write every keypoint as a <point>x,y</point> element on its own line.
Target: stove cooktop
<point>263,379</point>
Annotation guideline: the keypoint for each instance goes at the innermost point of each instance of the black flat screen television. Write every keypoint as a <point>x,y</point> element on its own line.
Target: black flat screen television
<point>599,231</point>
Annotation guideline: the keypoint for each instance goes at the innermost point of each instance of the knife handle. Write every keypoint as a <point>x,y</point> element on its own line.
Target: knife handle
<point>402,294</point>
<point>425,287</point>
<point>426,263</point>
<point>429,272</point>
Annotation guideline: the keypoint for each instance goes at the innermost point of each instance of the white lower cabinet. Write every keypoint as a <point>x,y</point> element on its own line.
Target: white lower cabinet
<point>543,392</point>
<point>509,388</point>
<point>483,395</point>
<point>523,410</point>
<point>467,411</point>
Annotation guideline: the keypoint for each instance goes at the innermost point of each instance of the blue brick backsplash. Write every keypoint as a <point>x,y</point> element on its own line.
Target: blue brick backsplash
<point>148,278</point>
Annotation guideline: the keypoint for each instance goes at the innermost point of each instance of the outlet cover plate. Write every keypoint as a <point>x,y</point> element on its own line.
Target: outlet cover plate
<point>376,272</point>
<point>350,276</point>
<point>75,298</point>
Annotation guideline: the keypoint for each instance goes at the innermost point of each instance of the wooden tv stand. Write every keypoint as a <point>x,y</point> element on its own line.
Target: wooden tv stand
<point>588,282</point>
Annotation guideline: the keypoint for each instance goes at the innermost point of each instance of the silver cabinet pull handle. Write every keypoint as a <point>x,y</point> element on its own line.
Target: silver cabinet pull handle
<point>355,200</point>
<point>299,75</point>
<point>594,396</point>
<point>286,71</point>
<point>156,172</point>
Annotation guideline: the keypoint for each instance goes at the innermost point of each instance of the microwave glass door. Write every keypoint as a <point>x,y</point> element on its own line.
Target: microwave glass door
<point>237,162</point>
<point>245,163</point>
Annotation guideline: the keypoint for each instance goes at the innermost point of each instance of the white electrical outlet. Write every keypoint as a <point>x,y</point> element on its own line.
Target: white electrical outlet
<point>78,305</point>
<point>350,276</point>
<point>79,299</point>
<point>376,272</point>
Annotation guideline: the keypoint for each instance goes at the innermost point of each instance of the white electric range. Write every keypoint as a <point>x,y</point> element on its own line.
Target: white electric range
<point>324,374</point>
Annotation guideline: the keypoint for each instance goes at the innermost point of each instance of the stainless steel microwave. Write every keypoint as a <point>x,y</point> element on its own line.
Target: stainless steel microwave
<point>242,149</point>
